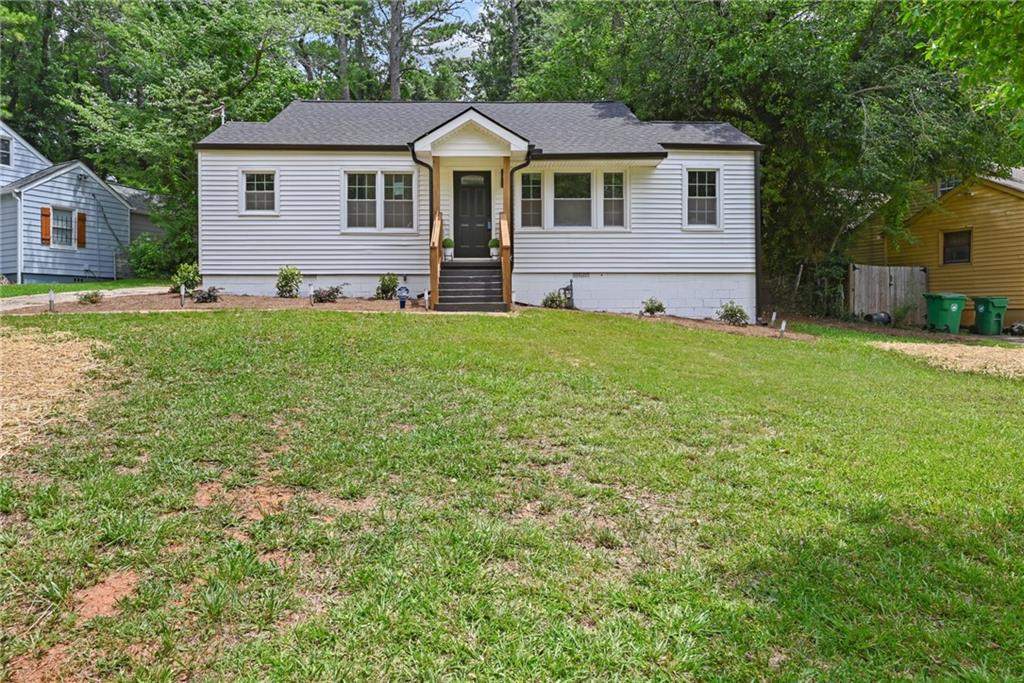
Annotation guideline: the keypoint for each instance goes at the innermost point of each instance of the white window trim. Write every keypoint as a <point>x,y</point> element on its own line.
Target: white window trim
<point>74,228</point>
<point>242,211</point>
<point>10,150</point>
<point>547,183</point>
<point>379,198</point>
<point>701,227</point>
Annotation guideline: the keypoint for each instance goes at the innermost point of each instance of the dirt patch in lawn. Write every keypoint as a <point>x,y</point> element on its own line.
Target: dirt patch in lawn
<point>252,503</point>
<point>992,360</point>
<point>38,372</point>
<point>50,667</point>
<point>745,330</point>
<point>171,302</point>
<point>101,600</point>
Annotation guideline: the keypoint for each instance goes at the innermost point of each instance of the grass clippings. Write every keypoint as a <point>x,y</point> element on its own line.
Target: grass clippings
<point>991,360</point>
<point>37,372</point>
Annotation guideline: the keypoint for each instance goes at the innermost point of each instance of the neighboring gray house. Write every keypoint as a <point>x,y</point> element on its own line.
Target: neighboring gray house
<point>580,191</point>
<point>58,222</point>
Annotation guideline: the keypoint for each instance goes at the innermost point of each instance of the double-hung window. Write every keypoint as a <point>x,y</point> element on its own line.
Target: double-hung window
<point>5,151</point>
<point>532,205</point>
<point>260,192</point>
<point>702,198</point>
<point>362,200</point>
<point>614,200</point>
<point>62,234</point>
<point>398,200</point>
<point>572,200</point>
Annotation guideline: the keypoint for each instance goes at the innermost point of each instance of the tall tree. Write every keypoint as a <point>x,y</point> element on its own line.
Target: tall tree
<point>417,30</point>
<point>505,34</point>
<point>983,41</point>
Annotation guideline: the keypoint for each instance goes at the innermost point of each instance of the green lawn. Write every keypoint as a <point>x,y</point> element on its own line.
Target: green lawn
<point>43,288</point>
<point>550,495</point>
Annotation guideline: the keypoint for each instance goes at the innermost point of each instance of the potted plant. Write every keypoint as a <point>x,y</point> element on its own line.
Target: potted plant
<point>449,248</point>
<point>494,245</point>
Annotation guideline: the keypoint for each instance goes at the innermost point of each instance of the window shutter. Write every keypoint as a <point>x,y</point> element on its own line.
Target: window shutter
<point>81,229</point>
<point>44,224</point>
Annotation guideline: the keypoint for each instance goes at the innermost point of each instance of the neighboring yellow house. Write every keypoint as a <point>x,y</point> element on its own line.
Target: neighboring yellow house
<point>971,240</point>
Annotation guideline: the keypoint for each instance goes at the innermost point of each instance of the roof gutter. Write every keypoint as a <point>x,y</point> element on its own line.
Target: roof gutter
<point>288,146</point>
<point>430,176</point>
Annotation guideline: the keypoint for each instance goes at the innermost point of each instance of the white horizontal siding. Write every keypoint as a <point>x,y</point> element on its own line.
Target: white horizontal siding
<point>657,239</point>
<point>24,161</point>
<point>107,227</point>
<point>307,232</point>
<point>470,141</point>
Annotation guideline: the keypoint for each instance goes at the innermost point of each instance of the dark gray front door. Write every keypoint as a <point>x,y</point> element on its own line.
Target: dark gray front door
<point>472,213</point>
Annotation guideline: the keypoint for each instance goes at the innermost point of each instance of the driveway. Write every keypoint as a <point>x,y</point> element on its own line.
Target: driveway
<point>15,302</point>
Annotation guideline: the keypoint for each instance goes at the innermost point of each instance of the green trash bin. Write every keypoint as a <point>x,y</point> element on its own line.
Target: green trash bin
<point>944,309</point>
<point>989,312</point>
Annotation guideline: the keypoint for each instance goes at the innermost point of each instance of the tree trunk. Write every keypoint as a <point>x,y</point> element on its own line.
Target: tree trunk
<point>341,39</point>
<point>615,78</point>
<point>395,49</point>
<point>513,64</point>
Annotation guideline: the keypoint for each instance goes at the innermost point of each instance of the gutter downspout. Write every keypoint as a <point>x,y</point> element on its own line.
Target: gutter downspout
<point>19,239</point>
<point>512,202</point>
<point>758,294</point>
<point>430,177</point>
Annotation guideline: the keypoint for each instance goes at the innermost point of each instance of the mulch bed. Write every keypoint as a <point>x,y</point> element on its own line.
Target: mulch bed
<point>171,302</point>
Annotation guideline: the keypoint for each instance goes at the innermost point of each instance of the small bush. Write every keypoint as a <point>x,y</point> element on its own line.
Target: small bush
<point>494,243</point>
<point>327,295</point>
<point>448,243</point>
<point>206,296</point>
<point>733,314</point>
<point>90,297</point>
<point>387,287</point>
<point>555,300</point>
<point>188,275</point>
<point>652,307</point>
<point>289,279</point>
<point>147,257</point>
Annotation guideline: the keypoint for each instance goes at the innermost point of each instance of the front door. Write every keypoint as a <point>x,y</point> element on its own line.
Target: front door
<point>472,213</point>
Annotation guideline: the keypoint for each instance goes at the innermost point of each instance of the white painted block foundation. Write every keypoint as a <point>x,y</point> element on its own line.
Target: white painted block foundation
<point>690,295</point>
<point>361,286</point>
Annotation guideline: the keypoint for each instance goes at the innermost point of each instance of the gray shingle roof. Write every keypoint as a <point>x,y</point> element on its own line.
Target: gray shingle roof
<point>553,128</point>
<point>1014,182</point>
<point>38,175</point>
<point>141,201</point>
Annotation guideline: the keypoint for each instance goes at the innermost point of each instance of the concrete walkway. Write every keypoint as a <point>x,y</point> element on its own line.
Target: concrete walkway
<point>15,302</point>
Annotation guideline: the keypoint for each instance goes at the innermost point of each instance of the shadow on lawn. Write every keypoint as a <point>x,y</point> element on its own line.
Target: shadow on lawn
<point>898,594</point>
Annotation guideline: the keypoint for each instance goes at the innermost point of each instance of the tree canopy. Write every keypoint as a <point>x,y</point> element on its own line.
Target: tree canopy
<point>856,102</point>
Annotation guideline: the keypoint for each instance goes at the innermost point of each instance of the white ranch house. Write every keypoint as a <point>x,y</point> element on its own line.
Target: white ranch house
<point>580,191</point>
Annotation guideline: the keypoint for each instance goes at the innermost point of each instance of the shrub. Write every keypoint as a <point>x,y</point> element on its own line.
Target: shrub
<point>188,275</point>
<point>652,307</point>
<point>555,300</point>
<point>90,297</point>
<point>147,257</point>
<point>448,243</point>
<point>206,296</point>
<point>327,295</point>
<point>494,243</point>
<point>733,314</point>
<point>387,287</point>
<point>289,279</point>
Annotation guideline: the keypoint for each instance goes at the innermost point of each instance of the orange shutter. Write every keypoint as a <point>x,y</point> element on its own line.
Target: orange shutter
<point>44,224</point>
<point>81,229</point>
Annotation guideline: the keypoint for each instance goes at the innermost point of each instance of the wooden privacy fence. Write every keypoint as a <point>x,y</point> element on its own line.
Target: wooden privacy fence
<point>897,290</point>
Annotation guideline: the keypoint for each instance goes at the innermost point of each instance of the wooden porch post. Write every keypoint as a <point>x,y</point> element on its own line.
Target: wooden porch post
<point>436,189</point>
